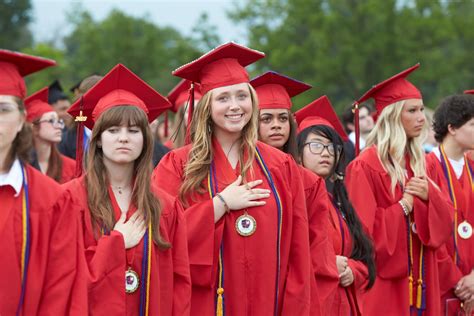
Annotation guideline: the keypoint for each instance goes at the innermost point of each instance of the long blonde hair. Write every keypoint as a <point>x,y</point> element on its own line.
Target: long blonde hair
<point>102,213</point>
<point>392,143</point>
<point>201,153</point>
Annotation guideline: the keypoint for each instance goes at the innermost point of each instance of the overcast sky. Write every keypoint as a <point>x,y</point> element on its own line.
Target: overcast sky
<point>50,15</point>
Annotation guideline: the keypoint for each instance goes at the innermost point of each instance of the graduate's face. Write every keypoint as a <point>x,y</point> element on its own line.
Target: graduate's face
<point>464,135</point>
<point>231,108</point>
<point>274,127</point>
<point>413,117</point>
<point>317,156</point>
<point>50,127</point>
<point>61,107</point>
<point>366,121</point>
<point>121,144</point>
<point>11,122</point>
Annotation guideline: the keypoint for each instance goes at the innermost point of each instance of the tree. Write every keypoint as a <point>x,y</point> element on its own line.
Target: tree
<point>343,47</point>
<point>14,19</point>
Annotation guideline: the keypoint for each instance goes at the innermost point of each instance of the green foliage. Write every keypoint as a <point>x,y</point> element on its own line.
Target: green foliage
<point>14,18</point>
<point>342,47</point>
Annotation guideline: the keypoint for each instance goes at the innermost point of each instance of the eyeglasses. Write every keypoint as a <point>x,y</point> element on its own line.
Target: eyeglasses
<point>56,123</point>
<point>318,148</point>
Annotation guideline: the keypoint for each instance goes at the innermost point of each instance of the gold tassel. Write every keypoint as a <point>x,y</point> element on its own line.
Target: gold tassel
<point>220,307</point>
<point>419,293</point>
<point>410,289</point>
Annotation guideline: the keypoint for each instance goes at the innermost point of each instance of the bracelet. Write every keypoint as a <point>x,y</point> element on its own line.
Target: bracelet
<point>404,207</point>
<point>227,209</point>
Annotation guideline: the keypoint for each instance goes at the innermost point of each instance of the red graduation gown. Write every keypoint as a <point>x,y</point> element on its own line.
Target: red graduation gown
<point>249,262</point>
<point>69,169</point>
<point>325,279</point>
<point>369,188</point>
<point>107,261</point>
<point>347,300</point>
<point>53,255</point>
<point>450,273</point>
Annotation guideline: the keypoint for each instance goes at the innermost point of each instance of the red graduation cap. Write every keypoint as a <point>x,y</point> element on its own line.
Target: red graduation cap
<point>469,91</point>
<point>119,87</point>
<point>222,66</point>
<point>274,90</point>
<point>320,112</point>
<point>14,66</point>
<point>392,90</point>
<point>37,104</point>
<point>180,94</point>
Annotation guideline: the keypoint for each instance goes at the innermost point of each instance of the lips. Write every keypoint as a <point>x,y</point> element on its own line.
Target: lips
<point>234,117</point>
<point>124,149</point>
<point>325,163</point>
<point>276,136</point>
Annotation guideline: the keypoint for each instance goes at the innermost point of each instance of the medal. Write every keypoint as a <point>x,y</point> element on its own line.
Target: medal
<point>465,230</point>
<point>131,281</point>
<point>245,225</point>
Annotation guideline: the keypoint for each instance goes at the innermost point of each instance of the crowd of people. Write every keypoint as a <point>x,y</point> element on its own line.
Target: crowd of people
<point>220,199</point>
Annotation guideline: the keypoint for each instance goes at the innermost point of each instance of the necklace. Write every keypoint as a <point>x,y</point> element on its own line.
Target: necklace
<point>119,189</point>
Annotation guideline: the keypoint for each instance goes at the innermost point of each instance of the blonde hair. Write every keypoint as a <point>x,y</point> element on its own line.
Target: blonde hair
<point>201,153</point>
<point>392,143</point>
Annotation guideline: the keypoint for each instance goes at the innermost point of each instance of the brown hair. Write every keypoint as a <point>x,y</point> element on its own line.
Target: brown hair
<point>55,163</point>
<point>291,145</point>
<point>201,153</point>
<point>97,179</point>
<point>21,146</point>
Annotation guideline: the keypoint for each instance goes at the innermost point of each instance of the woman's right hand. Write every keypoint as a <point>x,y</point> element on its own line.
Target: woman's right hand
<point>131,230</point>
<point>341,263</point>
<point>239,196</point>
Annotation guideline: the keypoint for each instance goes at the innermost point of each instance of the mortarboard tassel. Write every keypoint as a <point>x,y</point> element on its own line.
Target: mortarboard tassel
<point>80,119</point>
<point>190,114</point>
<point>355,110</point>
<point>166,123</point>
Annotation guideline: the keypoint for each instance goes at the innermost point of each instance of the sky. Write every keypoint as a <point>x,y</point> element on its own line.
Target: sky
<point>50,19</point>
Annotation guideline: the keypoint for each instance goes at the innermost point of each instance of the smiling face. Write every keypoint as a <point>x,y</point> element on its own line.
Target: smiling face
<point>231,109</point>
<point>274,127</point>
<point>318,155</point>
<point>413,117</point>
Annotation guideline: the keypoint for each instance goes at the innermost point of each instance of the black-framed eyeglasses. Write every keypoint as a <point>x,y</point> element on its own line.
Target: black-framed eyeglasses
<point>56,123</point>
<point>318,148</point>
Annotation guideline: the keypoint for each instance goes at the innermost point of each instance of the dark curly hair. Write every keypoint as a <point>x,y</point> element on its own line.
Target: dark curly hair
<point>454,110</point>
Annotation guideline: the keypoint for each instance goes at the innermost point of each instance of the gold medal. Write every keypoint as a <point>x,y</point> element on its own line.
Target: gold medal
<point>245,225</point>
<point>465,230</point>
<point>131,281</point>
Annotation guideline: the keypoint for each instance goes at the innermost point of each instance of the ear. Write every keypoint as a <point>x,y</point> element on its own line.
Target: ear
<point>451,130</point>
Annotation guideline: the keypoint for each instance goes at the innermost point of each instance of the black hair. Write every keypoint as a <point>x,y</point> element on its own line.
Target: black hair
<point>362,249</point>
<point>454,110</point>
<point>291,145</point>
<point>347,116</point>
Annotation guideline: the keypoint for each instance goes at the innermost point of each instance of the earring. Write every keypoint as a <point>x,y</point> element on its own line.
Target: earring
<point>209,130</point>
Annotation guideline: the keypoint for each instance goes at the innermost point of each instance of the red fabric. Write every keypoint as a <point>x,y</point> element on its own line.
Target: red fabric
<point>394,89</point>
<point>450,274</point>
<point>69,169</point>
<point>170,287</point>
<point>275,90</point>
<point>369,187</point>
<point>54,253</point>
<point>319,112</point>
<point>37,104</point>
<point>347,300</point>
<point>469,91</point>
<point>14,66</point>
<point>250,262</point>
<point>180,94</point>
<point>169,144</point>
<point>120,86</point>
<point>325,278</point>
<point>222,66</point>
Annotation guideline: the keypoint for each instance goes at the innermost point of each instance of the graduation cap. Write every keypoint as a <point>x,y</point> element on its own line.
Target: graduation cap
<point>220,67</point>
<point>469,91</point>
<point>394,89</point>
<point>75,86</point>
<point>319,112</point>
<point>180,94</point>
<point>275,90</point>
<point>14,66</point>
<point>37,104</point>
<point>56,92</point>
<point>117,88</point>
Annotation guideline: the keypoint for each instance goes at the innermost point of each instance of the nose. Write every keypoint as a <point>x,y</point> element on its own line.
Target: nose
<point>275,124</point>
<point>123,135</point>
<point>234,104</point>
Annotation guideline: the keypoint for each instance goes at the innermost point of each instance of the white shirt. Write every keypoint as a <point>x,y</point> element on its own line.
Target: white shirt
<point>13,178</point>
<point>352,138</point>
<point>458,165</point>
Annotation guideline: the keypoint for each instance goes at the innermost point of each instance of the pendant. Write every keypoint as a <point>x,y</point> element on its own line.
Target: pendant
<point>465,230</point>
<point>245,225</point>
<point>413,228</point>
<point>131,281</point>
